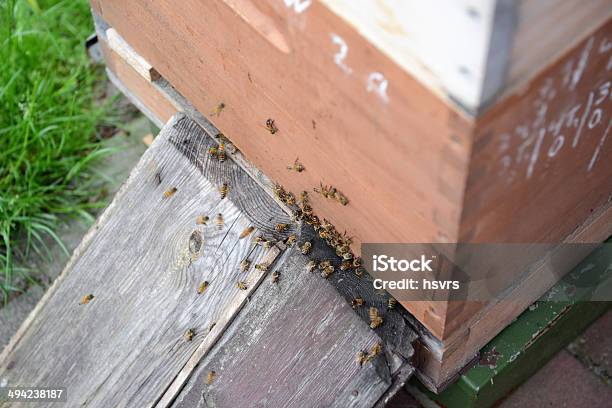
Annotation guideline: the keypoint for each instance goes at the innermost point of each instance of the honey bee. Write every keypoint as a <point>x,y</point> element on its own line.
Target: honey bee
<point>324,264</point>
<point>289,199</point>
<point>259,240</point>
<point>271,126</point>
<point>262,266</point>
<point>304,197</point>
<point>346,265</point>
<point>202,220</point>
<point>170,193</point>
<point>347,256</point>
<point>210,377</point>
<point>361,358</point>
<point>297,166</point>
<point>218,109</point>
<point>306,247</point>
<point>245,233</point>
<point>275,277</point>
<point>357,262</point>
<point>281,227</point>
<point>391,303</point>
<point>268,243</point>
<point>241,285</point>
<point>375,350</point>
<point>244,265</point>
<point>219,221</point>
<point>375,319</point>
<point>86,299</point>
<point>213,152</point>
<point>341,198</point>
<point>221,155</point>
<point>189,334</point>
<point>327,271</point>
<point>291,239</point>
<point>355,303</point>
<point>202,288</point>
<point>311,265</point>
<point>224,190</point>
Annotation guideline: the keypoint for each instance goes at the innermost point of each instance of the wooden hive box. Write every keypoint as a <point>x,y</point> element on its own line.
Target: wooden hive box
<point>446,121</point>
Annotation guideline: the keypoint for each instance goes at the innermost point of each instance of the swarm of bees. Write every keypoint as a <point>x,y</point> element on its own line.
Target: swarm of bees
<point>210,377</point>
<point>86,299</point>
<point>271,126</point>
<point>363,357</point>
<point>189,335</point>
<point>357,302</point>
<point>245,265</point>
<point>297,166</point>
<point>241,285</point>
<point>375,319</point>
<point>219,221</point>
<point>202,287</point>
<point>202,220</point>
<point>332,193</point>
<point>169,193</point>
<point>223,190</point>
<point>306,247</point>
<point>275,277</point>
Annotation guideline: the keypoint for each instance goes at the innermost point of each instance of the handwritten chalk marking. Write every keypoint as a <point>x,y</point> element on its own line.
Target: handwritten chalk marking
<point>340,56</point>
<point>536,151</point>
<point>582,120</point>
<point>582,63</point>
<point>599,146</point>
<point>299,6</point>
<point>378,83</point>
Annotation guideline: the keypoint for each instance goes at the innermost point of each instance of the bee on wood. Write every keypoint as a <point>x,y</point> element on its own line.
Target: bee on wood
<point>375,350</point>
<point>221,155</point>
<point>244,265</point>
<point>391,303</point>
<point>223,190</point>
<point>341,198</point>
<point>245,233</point>
<point>297,166</point>
<point>213,152</point>
<point>306,247</point>
<point>281,227</point>
<point>275,277</point>
<point>219,221</point>
<point>268,243</point>
<point>170,193</point>
<point>327,271</point>
<point>202,287</point>
<point>241,285</point>
<point>86,299</point>
<point>271,126</point>
<point>311,265</point>
<point>375,319</point>
<point>289,199</point>
<point>202,220</point>
<point>218,109</point>
<point>259,240</point>
<point>262,266</point>
<point>210,377</point>
<point>291,239</point>
<point>361,358</point>
<point>189,334</point>
<point>357,302</point>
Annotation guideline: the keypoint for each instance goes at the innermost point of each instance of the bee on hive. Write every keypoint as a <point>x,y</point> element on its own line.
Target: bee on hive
<point>271,126</point>
<point>223,190</point>
<point>169,193</point>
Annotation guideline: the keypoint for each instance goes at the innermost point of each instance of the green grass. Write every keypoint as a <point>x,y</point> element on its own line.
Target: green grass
<point>48,118</point>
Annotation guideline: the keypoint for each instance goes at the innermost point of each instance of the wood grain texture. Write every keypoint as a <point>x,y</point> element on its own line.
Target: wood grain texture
<point>143,266</point>
<point>294,345</point>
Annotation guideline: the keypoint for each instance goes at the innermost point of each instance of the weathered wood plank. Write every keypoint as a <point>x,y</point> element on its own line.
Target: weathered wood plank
<point>143,262</point>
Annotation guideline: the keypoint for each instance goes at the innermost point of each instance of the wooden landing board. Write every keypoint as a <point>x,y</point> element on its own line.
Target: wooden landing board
<point>143,262</point>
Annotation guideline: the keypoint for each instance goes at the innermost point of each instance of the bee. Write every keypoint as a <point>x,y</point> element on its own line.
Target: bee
<point>311,265</point>
<point>281,227</point>
<point>241,285</point>
<point>375,319</point>
<point>189,334</point>
<point>355,303</point>
<point>359,272</point>
<point>341,198</point>
<point>304,197</point>
<point>291,239</point>
<point>221,155</point>
<point>245,233</point>
<point>244,265</point>
<point>306,247</point>
<point>347,256</point>
<point>275,277</point>
<point>210,377</point>
<point>170,193</point>
<point>357,262</point>
<point>219,221</point>
<point>259,240</point>
<point>279,191</point>
<point>224,190</point>
<point>375,350</point>
<point>218,109</point>
<point>202,287</point>
<point>86,299</point>
<point>324,264</point>
<point>202,220</point>
<point>361,358</point>
<point>345,265</point>
<point>289,199</point>
<point>262,266</point>
<point>391,303</point>
<point>327,271</point>
<point>213,152</point>
<point>271,126</point>
<point>297,166</point>
<point>268,243</point>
